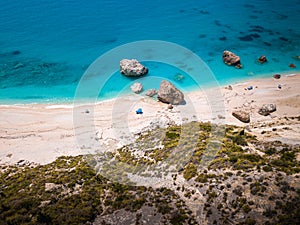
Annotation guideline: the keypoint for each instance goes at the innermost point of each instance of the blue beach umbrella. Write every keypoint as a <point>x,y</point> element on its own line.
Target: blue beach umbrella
<point>139,111</point>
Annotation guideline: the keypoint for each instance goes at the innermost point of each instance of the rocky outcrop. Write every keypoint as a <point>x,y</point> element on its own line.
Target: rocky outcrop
<point>231,59</point>
<point>168,93</point>
<point>266,109</point>
<point>276,76</point>
<point>242,116</point>
<point>151,92</point>
<point>132,68</point>
<point>136,88</point>
<point>262,59</point>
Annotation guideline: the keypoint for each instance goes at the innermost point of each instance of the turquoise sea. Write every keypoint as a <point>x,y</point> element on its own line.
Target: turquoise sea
<point>46,45</point>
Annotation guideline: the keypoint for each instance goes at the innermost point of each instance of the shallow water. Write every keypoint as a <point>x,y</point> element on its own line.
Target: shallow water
<point>46,46</point>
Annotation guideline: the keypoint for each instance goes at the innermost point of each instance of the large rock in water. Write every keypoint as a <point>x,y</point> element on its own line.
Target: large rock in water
<point>242,116</point>
<point>231,59</point>
<point>132,68</point>
<point>266,109</point>
<point>168,93</point>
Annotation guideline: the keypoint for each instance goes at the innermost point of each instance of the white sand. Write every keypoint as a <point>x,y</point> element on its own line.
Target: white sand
<point>40,133</point>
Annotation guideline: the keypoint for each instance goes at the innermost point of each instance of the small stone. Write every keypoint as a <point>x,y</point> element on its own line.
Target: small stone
<point>170,106</point>
<point>220,117</point>
<point>276,76</point>
<point>262,59</point>
<point>151,92</point>
<point>238,66</point>
<point>136,88</point>
<point>99,134</point>
<point>51,186</point>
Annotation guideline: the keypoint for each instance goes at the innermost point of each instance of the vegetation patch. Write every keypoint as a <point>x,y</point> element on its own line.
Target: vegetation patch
<point>69,191</point>
<point>223,168</point>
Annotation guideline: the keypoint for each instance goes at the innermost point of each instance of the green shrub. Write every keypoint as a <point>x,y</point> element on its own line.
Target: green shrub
<point>239,140</point>
<point>267,168</point>
<point>190,171</point>
<point>202,178</point>
<point>172,135</point>
<point>270,151</point>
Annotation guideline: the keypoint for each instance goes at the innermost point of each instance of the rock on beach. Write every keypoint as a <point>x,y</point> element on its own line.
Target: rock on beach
<point>242,116</point>
<point>151,92</point>
<point>266,109</point>
<point>168,93</point>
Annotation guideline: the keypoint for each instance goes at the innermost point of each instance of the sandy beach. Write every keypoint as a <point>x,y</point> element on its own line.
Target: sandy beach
<point>40,133</point>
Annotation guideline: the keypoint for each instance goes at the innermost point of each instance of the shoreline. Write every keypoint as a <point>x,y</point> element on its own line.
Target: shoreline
<point>42,132</point>
<point>70,101</point>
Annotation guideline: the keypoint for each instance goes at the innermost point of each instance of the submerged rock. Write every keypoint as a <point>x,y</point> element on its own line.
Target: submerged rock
<point>292,65</point>
<point>178,77</point>
<point>168,93</point>
<point>266,109</point>
<point>230,59</point>
<point>26,72</point>
<point>19,65</point>
<point>136,88</point>
<point>297,57</point>
<point>132,68</point>
<point>16,52</point>
<point>242,116</point>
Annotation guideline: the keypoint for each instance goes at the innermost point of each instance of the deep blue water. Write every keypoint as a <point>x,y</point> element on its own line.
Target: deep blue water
<point>46,46</point>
